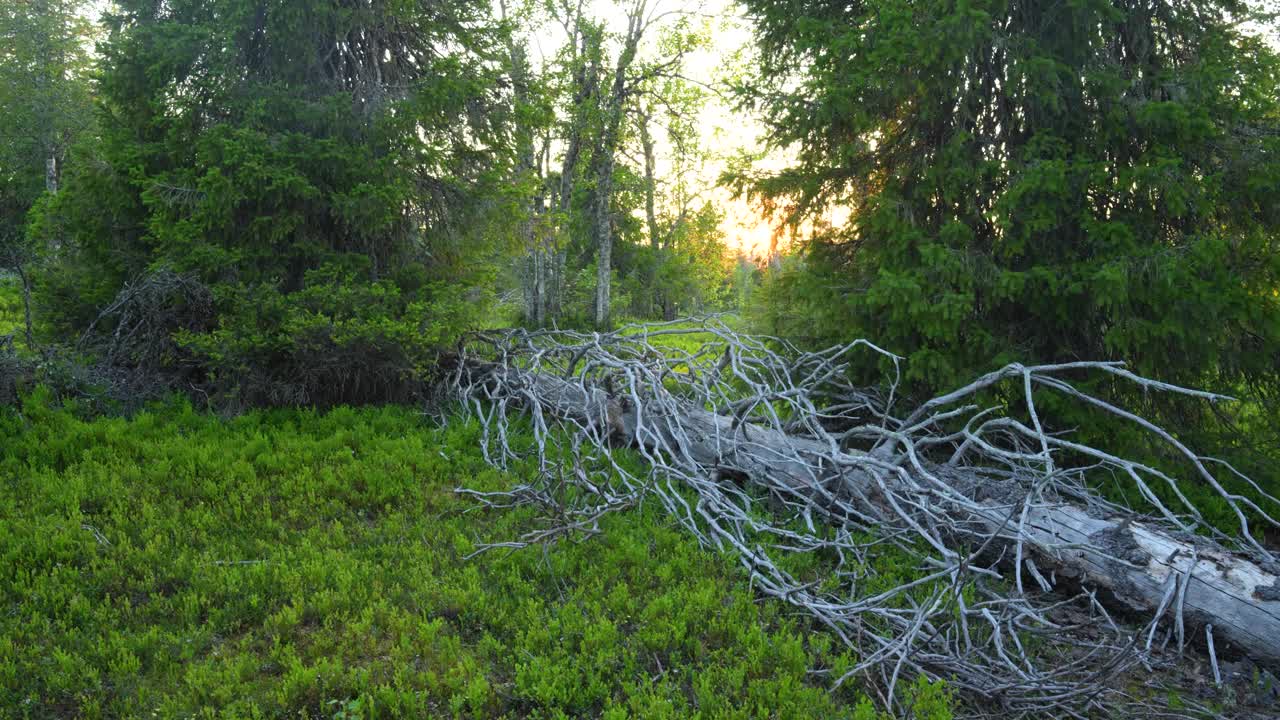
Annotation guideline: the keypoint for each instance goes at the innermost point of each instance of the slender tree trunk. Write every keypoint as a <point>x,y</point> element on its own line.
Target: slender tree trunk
<point>602,219</point>
<point>615,109</point>
<point>657,300</point>
<point>20,268</point>
<point>650,182</point>
<point>527,169</point>
<point>51,173</point>
<point>602,222</point>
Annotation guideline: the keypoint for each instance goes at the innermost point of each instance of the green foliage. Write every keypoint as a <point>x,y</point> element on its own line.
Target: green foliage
<point>44,90</point>
<point>320,166</point>
<point>688,275</point>
<point>596,172</point>
<point>11,322</point>
<point>1035,182</point>
<point>45,93</point>
<point>343,336</point>
<point>293,563</point>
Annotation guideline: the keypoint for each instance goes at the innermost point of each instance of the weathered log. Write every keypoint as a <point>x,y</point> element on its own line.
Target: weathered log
<point>1146,569</point>
<point>984,502</point>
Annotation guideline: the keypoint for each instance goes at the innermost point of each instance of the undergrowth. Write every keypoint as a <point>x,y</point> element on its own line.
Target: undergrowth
<point>11,322</point>
<point>299,564</point>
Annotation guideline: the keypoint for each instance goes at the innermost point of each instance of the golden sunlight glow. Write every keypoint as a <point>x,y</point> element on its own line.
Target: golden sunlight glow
<point>728,131</point>
<point>723,129</point>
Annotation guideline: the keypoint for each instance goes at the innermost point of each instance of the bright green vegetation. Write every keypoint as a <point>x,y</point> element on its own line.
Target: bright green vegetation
<point>10,307</point>
<point>1037,181</point>
<point>292,563</point>
<point>685,341</point>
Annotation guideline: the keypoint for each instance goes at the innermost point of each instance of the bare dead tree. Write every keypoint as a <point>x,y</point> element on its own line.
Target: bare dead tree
<point>758,448</point>
<point>136,329</point>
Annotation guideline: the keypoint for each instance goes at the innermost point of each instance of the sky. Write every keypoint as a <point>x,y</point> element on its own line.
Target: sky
<point>731,131</point>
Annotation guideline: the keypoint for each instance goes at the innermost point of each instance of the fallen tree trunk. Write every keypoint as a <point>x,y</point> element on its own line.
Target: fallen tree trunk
<point>997,525</point>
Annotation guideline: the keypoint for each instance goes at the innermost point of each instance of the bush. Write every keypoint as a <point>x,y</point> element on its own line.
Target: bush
<point>338,340</point>
<point>11,322</point>
<point>298,564</point>
<point>311,216</point>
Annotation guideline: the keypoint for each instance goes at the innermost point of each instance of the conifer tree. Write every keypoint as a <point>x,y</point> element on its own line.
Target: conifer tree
<point>1031,181</point>
<point>319,164</point>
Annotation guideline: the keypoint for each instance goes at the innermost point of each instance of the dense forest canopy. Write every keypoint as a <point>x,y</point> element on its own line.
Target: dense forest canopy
<point>1033,179</point>
<point>352,182</point>
<point>231,206</point>
<point>1035,182</point>
<point>302,160</point>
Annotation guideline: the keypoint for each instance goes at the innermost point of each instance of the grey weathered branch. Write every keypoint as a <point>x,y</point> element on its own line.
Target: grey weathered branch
<point>993,507</point>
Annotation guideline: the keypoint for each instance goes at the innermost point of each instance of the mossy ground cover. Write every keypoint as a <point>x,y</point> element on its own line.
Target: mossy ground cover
<point>297,564</point>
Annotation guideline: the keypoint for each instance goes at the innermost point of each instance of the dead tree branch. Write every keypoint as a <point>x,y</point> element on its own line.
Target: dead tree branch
<point>766,451</point>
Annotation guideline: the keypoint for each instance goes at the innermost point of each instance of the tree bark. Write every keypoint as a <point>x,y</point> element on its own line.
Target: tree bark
<point>657,300</point>
<point>650,183</point>
<point>604,260</point>
<point>527,171</point>
<point>610,136</point>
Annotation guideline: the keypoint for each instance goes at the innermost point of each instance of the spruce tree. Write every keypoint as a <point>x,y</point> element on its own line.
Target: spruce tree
<point>322,166</point>
<point>1031,181</point>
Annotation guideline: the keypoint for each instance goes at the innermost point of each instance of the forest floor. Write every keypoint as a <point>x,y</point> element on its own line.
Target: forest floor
<point>317,565</point>
<point>303,564</point>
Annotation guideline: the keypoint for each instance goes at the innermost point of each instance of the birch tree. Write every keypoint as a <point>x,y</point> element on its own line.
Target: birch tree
<point>44,90</point>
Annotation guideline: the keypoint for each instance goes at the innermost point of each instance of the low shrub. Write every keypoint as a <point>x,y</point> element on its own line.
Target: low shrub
<point>303,564</point>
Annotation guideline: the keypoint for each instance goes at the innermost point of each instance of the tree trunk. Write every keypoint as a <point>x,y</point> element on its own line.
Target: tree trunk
<point>526,175</point>
<point>602,217</point>
<point>610,136</point>
<point>1143,568</point>
<point>51,174</point>
<point>604,260</point>
<point>657,300</point>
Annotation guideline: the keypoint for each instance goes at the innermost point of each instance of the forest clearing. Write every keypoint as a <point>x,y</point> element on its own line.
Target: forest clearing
<point>639,359</point>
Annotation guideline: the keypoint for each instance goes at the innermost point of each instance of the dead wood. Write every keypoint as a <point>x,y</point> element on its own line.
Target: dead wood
<point>764,450</point>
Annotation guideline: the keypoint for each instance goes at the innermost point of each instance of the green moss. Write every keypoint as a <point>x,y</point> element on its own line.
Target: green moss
<point>315,565</point>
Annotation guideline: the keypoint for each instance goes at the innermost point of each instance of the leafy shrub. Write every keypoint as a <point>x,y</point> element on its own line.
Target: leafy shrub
<point>11,322</point>
<point>339,339</point>
<point>291,563</point>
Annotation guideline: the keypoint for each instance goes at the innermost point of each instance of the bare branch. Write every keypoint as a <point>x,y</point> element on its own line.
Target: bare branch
<point>758,448</point>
